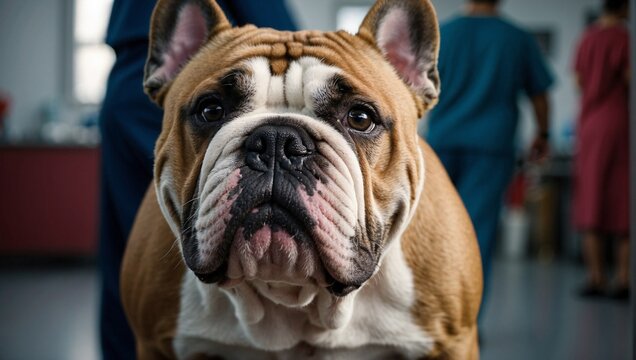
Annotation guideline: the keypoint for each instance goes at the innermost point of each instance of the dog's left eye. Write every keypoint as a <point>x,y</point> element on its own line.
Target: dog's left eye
<point>211,110</point>
<point>360,119</point>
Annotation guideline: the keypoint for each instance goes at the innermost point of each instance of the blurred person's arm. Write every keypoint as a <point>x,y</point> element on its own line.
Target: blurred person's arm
<point>540,145</point>
<point>537,82</point>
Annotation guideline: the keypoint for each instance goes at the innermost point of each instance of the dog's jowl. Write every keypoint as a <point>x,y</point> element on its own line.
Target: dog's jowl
<point>295,213</point>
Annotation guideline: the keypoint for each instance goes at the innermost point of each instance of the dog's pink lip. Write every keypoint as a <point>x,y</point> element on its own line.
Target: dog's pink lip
<point>302,225</point>
<point>335,287</point>
<point>221,278</point>
<point>229,283</point>
<point>207,273</point>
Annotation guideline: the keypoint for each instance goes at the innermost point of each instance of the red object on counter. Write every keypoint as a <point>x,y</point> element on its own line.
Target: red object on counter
<point>516,195</point>
<point>48,200</point>
<point>5,104</point>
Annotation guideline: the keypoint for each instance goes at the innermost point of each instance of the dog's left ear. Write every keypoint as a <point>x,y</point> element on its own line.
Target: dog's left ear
<point>407,33</point>
<point>178,30</point>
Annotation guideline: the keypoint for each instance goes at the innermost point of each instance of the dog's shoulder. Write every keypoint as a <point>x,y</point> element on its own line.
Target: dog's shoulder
<point>440,247</point>
<point>152,271</point>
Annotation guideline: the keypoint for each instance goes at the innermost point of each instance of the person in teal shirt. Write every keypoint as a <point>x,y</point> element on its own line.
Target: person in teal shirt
<point>485,63</point>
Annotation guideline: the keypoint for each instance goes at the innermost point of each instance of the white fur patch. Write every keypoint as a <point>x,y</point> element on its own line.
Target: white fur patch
<point>169,201</point>
<point>295,91</point>
<point>376,319</point>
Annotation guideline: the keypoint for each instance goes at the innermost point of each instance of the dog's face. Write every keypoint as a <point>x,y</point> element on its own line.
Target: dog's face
<point>289,158</point>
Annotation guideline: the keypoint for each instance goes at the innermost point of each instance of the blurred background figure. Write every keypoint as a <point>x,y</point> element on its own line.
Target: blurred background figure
<point>601,184</point>
<point>485,63</point>
<point>130,125</point>
<point>4,110</point>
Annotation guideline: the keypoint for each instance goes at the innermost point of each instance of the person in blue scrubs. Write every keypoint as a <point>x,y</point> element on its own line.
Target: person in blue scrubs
<point>485,63</point>
<point>130,124</point>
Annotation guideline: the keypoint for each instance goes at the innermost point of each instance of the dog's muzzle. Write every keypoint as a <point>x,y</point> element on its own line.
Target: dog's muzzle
<point>276,208</point>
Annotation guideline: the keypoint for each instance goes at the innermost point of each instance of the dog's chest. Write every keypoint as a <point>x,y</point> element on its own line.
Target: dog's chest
<point>375,322</point>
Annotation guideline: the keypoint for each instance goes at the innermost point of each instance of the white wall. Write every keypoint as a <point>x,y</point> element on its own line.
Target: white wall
<point>32,47</point>
<point>567,20</point>
<point>31,58</point>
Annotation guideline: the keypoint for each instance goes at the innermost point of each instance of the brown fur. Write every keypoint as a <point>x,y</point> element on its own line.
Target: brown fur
<point>440,247</point>
<point>151,281</point>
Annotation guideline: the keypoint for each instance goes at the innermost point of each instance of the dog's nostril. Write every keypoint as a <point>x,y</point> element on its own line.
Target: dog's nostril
<point>256,144</point>
<point>294,147</point>
<point>269,144</point>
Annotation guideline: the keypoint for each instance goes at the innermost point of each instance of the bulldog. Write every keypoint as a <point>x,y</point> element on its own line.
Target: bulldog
<point>295,213</point>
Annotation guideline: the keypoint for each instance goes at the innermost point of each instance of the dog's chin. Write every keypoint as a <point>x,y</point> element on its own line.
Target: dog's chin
<point>274,254</point>
<point>280,261</point>
<point>282,290</point>
<point>269,244</point>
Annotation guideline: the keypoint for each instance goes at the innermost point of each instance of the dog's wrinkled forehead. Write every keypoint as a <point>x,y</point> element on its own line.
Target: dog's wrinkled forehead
<point>290,63</point>
<point>298,89</point>
<point>281,47</point>
<point>232,50</point>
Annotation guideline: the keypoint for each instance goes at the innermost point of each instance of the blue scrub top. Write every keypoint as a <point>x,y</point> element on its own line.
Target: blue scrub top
<point>130,20</point>
<point>485,63</point>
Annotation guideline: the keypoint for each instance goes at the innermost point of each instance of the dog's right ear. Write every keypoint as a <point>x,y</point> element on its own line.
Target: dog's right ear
<point>178,30</point>
<point>407,34</point>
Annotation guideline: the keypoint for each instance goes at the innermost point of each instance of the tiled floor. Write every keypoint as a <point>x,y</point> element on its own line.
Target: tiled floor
<point>532,314</point>
<point>50,314</point>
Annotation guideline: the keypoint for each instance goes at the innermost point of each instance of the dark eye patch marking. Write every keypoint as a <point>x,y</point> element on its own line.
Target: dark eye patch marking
<point>334,102</point>
<point>232,91</point>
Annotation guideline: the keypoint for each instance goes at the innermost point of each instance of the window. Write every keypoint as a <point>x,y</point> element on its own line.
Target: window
<point>349,18</point>
<point>92,58</point>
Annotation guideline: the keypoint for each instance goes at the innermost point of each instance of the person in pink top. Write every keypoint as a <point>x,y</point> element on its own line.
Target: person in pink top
<point>601,184</point>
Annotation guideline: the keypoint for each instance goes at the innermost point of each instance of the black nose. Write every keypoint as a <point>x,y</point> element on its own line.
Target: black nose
<point>282,145</point>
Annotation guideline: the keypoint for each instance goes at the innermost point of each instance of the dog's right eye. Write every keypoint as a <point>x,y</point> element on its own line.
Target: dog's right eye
<point>210,110</point>
<point>360,119</point>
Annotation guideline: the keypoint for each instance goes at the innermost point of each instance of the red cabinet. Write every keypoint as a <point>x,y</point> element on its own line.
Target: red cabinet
<point>48,200</point>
